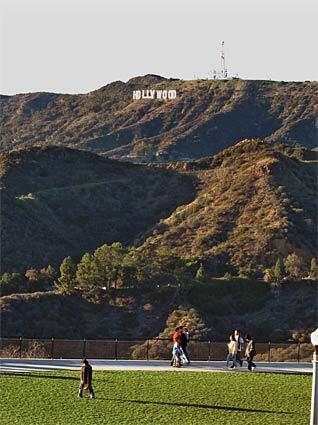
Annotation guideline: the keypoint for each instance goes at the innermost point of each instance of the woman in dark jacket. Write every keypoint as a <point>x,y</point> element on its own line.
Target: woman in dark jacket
<point>86,379</point>
<point>250,352</point>
<point>184,339</point>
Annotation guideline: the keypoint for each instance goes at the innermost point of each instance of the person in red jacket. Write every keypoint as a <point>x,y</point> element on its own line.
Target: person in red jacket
<point>176,338</point>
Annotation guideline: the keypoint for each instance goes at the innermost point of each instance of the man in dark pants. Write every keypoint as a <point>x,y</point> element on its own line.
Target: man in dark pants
<point>250,352</point>
<point>184,342</point>
<point>86,379</point>
<point>240,342</point>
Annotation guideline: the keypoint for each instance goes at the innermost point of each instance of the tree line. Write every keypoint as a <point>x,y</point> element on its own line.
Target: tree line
<point>293,268</point>
<point>114,266</point>
<point>108,268</point>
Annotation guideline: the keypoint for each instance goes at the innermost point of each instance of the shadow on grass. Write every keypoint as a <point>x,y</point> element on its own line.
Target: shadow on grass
<point>14,367</point>
<point>31,375</point>
<point>200,406</point>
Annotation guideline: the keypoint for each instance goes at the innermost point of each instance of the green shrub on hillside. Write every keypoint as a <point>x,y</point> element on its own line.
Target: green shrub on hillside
<point>12,283</point>
<point>34,280</point>
<point>295,266</point>
<point>222,297</point>
<point>314,269</point>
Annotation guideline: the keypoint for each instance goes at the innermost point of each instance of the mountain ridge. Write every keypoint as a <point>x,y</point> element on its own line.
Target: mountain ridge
<point>206,117</point>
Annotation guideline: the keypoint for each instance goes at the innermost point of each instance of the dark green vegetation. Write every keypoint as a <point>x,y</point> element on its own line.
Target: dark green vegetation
<point>156,398</point>
<point>209,309</point>
<point>206,117</point>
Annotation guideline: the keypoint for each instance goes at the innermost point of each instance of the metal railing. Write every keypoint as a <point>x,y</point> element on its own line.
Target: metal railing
<point>143,349</point>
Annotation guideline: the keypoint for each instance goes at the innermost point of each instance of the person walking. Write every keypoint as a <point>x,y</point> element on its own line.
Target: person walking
<point>250,352</point>
<point>184,342</point>
<point>176,355</point>
<point>187,333</point>
<point>86,379</point>
<point>176,340</point>
<point>232,348</point>
<point>240,343</point>
<point>176,335</point>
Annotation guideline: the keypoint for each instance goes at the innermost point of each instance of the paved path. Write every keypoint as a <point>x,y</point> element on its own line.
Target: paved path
<point>31,365</point>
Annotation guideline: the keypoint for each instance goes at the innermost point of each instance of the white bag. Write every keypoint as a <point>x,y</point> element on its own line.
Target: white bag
<point>183,358</point>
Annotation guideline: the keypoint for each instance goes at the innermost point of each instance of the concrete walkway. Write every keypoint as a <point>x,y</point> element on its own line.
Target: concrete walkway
<point>32,365</point>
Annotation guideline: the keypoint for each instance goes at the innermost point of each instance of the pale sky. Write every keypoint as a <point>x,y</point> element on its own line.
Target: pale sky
<point>75,46</point>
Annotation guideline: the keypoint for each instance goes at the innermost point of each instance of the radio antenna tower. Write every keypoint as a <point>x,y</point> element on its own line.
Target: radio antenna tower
<point>223,68</point>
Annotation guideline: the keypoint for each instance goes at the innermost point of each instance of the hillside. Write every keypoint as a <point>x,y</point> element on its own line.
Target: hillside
<point>241,208</point>
<point>59,201</point>
<point>206,117</point>
<point>222,305</point>
<point>255,203</point>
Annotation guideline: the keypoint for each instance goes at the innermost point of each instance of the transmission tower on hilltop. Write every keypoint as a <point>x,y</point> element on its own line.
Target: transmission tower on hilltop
<point>222,74</point>
<point>223,68</point>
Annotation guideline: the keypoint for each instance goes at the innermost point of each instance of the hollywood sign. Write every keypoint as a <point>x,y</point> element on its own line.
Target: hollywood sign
<point>154,94</point>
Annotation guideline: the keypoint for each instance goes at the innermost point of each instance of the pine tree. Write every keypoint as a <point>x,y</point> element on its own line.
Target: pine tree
<point>314,269</point>
<point>295,266</point>
<point>66,282</point>
<point>200,275</point>
<point>86,273</point>
<point>127,275</point>
<point>50,272</point>
<point>108,261</point>
<point>142,264</point>
<point>48,275</point>
<point>279,270</point>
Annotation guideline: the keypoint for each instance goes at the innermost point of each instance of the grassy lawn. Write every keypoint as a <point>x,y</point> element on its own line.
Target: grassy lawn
<point>46,398</point>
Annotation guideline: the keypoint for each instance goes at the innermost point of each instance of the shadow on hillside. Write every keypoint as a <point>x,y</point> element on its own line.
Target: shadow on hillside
<point>103,201</point>
<point>200,406</point>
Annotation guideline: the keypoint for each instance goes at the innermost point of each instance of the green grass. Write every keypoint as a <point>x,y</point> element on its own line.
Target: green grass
<point>156,398</point>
